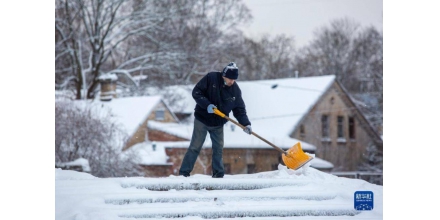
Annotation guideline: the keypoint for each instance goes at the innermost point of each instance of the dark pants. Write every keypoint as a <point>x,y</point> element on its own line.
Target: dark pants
<point>198,138</point>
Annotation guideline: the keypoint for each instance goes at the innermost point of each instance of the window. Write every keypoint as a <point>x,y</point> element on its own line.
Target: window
<point>325,126</point>
<point>251,168</point>
<point>160,114</point>
<point>340,126</point>
<point>302,131</point>
<point>351,128</point>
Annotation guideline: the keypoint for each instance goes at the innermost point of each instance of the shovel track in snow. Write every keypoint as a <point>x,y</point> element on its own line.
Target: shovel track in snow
<point>258,196</point>
<point>223,184</point>
<point>225,198</point>
<point>248,213</point>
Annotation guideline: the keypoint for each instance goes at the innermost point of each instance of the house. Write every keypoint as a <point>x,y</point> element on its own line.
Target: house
<point>242,153</point>
<point>317,111</point>
<point>133,112</point>
<point>338,129</point>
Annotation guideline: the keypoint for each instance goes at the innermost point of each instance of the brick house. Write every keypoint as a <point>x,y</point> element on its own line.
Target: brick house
<point>338,129</point>
<point>242,153</point>
<point>314,110</point>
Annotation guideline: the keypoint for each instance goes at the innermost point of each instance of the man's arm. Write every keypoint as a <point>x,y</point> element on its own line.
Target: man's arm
<point>199,92</point>
<point>240,111</point>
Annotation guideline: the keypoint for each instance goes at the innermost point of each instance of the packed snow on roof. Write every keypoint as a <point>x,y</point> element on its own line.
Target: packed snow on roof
<point>278,194</point>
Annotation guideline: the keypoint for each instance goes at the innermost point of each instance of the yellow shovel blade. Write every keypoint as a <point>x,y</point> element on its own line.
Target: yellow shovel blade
<point>296,158</point>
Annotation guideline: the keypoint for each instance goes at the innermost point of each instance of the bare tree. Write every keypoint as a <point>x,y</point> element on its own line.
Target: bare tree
<point>168,40</point>
<point>330,53</point>
<point>373,162</point>
<point>88,33</point>
<point>91,133</point>
<point>267,58</point>
<point>355,56</point>
<point>194,38</point>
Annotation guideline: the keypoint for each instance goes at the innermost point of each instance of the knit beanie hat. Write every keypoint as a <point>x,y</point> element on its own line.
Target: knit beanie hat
<point>231,71</point>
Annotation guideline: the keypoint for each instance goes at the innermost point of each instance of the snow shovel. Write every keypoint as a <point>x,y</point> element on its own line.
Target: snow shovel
<point>294,158</point>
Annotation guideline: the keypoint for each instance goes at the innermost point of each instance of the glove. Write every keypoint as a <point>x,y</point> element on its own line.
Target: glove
<point>248,129</point>
<point>211,108</point>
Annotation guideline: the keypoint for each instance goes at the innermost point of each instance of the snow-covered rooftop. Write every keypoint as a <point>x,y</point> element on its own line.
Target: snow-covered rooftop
<point>148,154</point>
<point>108,76</point>
<point>129,112</point>
<point>280,194</point>
<point>279,104</point>
<point>84,163</point>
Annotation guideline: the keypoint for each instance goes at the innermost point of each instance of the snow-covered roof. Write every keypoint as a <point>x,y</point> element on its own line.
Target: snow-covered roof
<point>130,112</point>
<point>306,193</point>
<point>84,163</point>
<point>108,76</point>
<point>277,105</point>
<point>149,155</point>
<point>178,97</point>
<point>320,163</point>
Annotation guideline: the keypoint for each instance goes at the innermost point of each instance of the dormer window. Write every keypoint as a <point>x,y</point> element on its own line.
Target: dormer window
<point>302,131</point>
<point>160,114</point>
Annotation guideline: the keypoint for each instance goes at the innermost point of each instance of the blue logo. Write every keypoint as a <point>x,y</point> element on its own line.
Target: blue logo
<point>363,200</point>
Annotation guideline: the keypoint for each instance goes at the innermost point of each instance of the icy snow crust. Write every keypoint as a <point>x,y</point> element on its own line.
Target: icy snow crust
<point>307,192</point>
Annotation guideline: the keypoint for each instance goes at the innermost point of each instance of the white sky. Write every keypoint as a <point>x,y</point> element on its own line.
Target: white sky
<point>82,196</point>
<point>300,18</point>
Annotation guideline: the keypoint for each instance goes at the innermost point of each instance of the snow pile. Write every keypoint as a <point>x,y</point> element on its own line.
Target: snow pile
<point>72,175</point>
<point>81,162</point>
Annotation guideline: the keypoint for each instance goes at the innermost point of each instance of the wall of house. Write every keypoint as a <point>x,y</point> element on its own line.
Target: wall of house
<point>155,135</point>
<point>346,153</point>
<point>140,134</point>
<point>238,161</point>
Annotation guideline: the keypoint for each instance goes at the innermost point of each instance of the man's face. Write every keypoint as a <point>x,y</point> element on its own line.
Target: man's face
<point>228,82</point>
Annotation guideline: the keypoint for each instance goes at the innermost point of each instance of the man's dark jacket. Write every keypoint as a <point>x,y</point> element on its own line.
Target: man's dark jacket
<point>212,90</point>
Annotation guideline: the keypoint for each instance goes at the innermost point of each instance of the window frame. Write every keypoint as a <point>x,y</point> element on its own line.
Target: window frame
<point>325,127</point>
<point>351,128</point>
<point>162,111</point>
<point>340,127</point>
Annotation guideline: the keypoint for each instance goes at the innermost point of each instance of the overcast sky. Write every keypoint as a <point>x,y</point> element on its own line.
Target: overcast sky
<point>299,18</point>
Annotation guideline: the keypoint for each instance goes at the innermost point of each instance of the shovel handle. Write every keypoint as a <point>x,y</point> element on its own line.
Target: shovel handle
<point>219,113</point>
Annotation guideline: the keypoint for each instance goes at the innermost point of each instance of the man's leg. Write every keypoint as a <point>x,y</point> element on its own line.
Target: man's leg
<point>197,140</point>
<point>216,135</point>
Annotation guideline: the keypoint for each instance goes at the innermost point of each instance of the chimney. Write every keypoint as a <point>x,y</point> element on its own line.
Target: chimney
<point>108,86</point>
